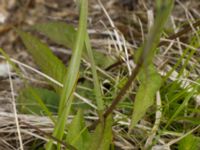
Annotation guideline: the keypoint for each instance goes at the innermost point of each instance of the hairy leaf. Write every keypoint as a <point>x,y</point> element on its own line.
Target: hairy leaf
<point>150,84</point>
<point>44,57</point>
<point>152,81</point>
<point>59,32</point>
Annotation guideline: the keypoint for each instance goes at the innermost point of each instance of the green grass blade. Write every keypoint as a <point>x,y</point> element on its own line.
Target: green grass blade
<point>181,107</point>
<point>63,34</point>
<point>187,53</point>
<point>72,75</point>
<point>97,88</point>
<point>73,69</point>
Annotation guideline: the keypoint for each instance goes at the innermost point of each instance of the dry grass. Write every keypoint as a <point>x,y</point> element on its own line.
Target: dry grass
<point>115,31</point>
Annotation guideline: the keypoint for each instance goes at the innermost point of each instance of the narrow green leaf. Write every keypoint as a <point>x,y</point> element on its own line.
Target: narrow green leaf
<point>78,135</point>
<point>71,76</point>
<point>102,137</point>
<point>44,57</point>
<point>64,34</point>
<point>150,84</point>
<point>58,32</point>
<point>97,87</point>
<point>182,105</point>
<point>193,120</point>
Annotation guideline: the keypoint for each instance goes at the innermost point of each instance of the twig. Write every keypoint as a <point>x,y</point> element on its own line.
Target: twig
<point>125,88</point>
<point>122,91</point>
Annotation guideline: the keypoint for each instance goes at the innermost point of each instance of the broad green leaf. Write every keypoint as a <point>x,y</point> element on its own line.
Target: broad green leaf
<point>150,84</point>
<point>28,104</point>
<point>190,142</point>
<point>65,35</point>
<point>151,81</point>
<point>44,57</point>
<point>58,32</point>
<point>102,136</point>
<point>78,135</point>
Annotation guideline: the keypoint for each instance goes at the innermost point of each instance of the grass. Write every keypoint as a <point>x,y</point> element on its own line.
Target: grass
<point>98,103</point>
